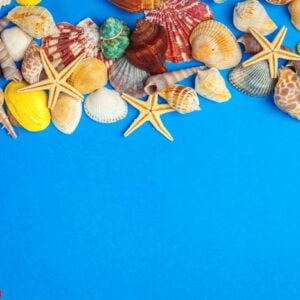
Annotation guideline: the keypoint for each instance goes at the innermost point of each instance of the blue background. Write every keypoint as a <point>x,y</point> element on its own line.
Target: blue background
<point>214,215</point>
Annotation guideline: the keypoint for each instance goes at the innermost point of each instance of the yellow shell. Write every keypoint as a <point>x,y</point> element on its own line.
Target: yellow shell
<point>294,9</point>
<point>29,108</point>
<point>28,2</point>
<point>89,76</point>
<point>182,98</point>
<point>35,20</point>
<point>211,85</point>
<point>215,45</point>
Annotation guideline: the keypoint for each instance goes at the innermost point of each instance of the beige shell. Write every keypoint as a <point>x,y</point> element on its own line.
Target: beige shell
<point>4,2</point>
<point>294,9</point>
<point>215,45</point>
<point>279,2</point>
<point>211,85</point>
<point>66,114</point>
<point>89,76</point>
<point>181,98</point>
<point>252,14</point>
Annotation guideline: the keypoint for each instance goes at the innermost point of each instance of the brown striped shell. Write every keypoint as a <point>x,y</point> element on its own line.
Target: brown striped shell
<point>137,5</point>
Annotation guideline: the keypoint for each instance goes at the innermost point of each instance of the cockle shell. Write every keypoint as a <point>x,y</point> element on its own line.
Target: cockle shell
<point>66,114</point>
<point>252,14</point>
<point>211,85</point>
<point>279,2</point>
<point>137,5</point>
<point>215,45</point>
<point>105,106</point>
<point>35,20</point>
<point>254,80</point>
<point>30,108</point>
<point>126,78</point>
<point>181,98</point>
<point>90,75</point>
<point>179,17</point>
<point>294,9</point>
<point>16,42</point>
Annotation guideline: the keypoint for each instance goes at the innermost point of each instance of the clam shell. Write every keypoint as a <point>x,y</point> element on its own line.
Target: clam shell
<point>126,78</point>
<point>66,114</point>
<point>215,45</point>
<point>137,5</point>
<point>294,9</point>
<point>181,98</point>
<point>254,80</point>
<point>105,106</point>
<point>211,85</point>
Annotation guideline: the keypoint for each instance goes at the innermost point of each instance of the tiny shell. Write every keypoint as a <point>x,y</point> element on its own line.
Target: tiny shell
<point>294,9</point>
<point>181,98</point>
<point>105,106</point>
<point>211,85</point>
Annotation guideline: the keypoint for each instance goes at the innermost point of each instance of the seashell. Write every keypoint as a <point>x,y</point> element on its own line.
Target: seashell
<point>66,114</point>
<point>126,78</point>
<point>250,43</point>
<point>3,23</point>
<point>254,80</point>
<point>35,20</point>
<point>4,2</point>
<point>159,82</point>
<point>29,109</point>
<point>179,19</point>
<point>90,75</point>
<point>279,2</point>
<point>16,42</point>
<point>215,45</point>
<point>211,85</point>
<point>114,36</point>
<point>287,92</point>
<point>181,98</point>
<point>252,14</point>
<point>148,47</point>
<point>28,2</point>
<point>138,5</point>
<point>294,9</point>
<point>105,106</point>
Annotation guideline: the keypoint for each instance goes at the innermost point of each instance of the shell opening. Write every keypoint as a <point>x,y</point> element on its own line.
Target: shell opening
<point>151,89</point>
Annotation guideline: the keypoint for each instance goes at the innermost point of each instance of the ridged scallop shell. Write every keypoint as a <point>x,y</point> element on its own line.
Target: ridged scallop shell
<point>66,114</point>
<point>35,20</point>
<point>211,85</point>
<point>179,17</point>
<point>105,106</point>
<point>252,14</point>
<point>215,45</point>
<point>126,78</point>
<point>183,99</point>
<point>89,76</point>
<point>294,9</point>
<point>279,2</point>
<point>254,80</point>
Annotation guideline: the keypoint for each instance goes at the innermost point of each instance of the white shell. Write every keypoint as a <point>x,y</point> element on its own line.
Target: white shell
<point>16,42</point>
<point>105,106</point>
<point>4,2</point>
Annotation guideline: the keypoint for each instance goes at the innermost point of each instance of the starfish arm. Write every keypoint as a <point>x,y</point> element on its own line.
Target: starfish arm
<point>162,109</point>
<point>71,91</point>
<point>152,100</point>
<point>159,126</point>
<point>266,45</point>
<point>67,72</point>
<point>40,86</point>
<point>138,104</point>
<point>273,65</point>
<point>53,96</point>
<point>138,122</point>
<point>287,55</point>
<point>48,67</point>
<point>276,44</point>
<point>256,58</point>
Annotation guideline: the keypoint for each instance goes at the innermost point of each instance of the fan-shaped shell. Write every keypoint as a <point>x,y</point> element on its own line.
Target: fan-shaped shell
<point>126,78</point>
<point>294,9</point>
<point>254,80</point>
<point>252,14</point>
<point>137,5</point>
<point>181,98</point>
<point>215,45</point>
<point>35,20</point>
<point>105,106</point>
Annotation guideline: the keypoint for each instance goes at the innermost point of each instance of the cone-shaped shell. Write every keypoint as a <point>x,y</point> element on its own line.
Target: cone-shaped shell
<point>137,5</point>
<point>215,45</point>
<point>66,114</point>
<point>254,80</point>
<point>181,98</point>
<point>211,85</point>
<point>35,20</point>
<point>126,78</point>
<point>29,108</point>
<point>294,9</point>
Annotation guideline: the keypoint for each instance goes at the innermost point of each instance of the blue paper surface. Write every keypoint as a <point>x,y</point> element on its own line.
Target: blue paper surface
<point>214,215</point>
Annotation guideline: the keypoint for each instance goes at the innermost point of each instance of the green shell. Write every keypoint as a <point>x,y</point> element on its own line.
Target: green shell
<point>114,38</point>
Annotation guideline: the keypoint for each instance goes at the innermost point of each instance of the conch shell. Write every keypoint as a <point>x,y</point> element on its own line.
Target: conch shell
<point>137,5</point>
<point>294,9</point>
<point>252,14</point>
<point>215,45</point>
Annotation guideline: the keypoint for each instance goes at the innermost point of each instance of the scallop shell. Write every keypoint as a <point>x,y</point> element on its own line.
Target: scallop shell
<point>215,45</point>
<point>137,5</point>
<point>254,80</point>
<point>211,85</point>
<point>252,14</point>
<point>66,114</point>
<point>105,106</point>
<point>16,42</point>
<point>181,98</point>
<point>294,9</point>
<point>179,17</point>
<point>126,78</point>
<point>89,76</point>
<point>35,20</point>
<point>279,2</point>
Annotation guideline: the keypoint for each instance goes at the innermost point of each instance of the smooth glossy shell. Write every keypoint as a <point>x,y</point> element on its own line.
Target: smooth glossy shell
<point>294,9</point>
<point>29,2</point>
<point>137,5</point>
<point>250,43</point>
<point>105,106</point>
<point>215,45</point>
